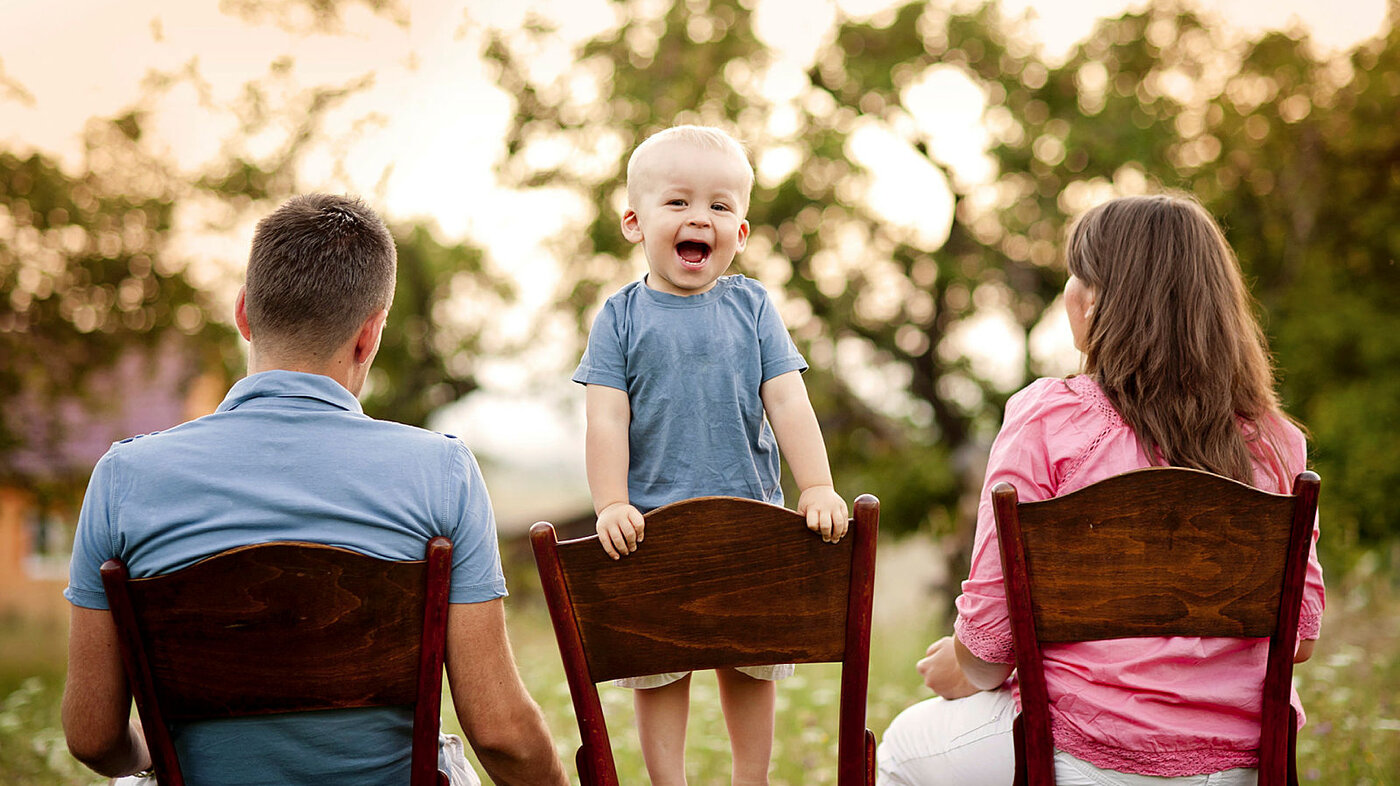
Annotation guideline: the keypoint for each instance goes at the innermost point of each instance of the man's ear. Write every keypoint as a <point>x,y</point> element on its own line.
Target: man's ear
<point>240,314</point>
<point>367,340</point>
<point>631,226</point>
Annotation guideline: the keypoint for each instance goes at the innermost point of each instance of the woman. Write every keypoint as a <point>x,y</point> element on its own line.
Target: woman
<point>1176,373</point>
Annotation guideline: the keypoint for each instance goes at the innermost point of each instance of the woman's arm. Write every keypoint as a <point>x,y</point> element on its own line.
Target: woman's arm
<point>952,671</point>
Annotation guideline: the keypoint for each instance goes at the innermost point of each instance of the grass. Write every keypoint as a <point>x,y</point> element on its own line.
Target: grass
<point>1351,687</point>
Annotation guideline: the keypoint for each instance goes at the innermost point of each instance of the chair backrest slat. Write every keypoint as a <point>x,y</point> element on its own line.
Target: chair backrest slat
<point>1159,552</point>
<point>740,594</point>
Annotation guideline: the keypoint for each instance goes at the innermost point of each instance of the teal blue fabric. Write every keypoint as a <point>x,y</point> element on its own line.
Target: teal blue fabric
<point>288,456</point>
<point>692,367</point>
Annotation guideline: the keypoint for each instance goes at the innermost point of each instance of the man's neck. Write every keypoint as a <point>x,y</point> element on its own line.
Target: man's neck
<point>338,368</point>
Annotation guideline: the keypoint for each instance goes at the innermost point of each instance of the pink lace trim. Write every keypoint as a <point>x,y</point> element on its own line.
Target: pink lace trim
<point>1309,625</point>
<point>991,646</point>
<point>1171,764</point>
<point>1087,388</point>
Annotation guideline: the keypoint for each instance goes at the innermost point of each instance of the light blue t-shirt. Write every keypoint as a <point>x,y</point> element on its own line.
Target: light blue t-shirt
<point>288,456</point>
<point>692,367</point>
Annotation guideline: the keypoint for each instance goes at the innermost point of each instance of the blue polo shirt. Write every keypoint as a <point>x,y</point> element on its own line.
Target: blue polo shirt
<point>288,456</point>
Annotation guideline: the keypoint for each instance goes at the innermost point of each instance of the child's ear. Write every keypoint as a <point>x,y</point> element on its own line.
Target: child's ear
<point>743,234</point>
<point>631,226</point>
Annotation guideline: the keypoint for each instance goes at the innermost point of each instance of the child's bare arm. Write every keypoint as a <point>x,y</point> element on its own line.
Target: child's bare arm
<point>609,415</point>
<point>800,440</point>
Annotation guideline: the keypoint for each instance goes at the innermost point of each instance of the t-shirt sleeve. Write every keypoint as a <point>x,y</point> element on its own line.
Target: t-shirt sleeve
<point>476,556</point>
<point>604,360</point>
<point>1021,455</point>
<point>1314,595</point>
<point>778,353</point>
<point>93,542</point>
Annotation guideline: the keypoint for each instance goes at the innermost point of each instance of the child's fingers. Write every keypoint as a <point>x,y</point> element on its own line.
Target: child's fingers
<point>629,534</point>
<point>638,523</point>
<point>606,538</point>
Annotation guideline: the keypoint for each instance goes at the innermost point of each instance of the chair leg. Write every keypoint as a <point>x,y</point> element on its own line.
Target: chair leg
<point>1018,744</point>
<point>585,772</point>
<point>869,758</point>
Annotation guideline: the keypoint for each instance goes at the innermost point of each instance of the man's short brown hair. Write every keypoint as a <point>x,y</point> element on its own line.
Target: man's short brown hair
<point>320,265</point>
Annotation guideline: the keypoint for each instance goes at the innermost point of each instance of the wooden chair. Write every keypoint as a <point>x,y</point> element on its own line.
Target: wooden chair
<point>1156,552</point>
<point>285,627</point>
<point>718,582</point>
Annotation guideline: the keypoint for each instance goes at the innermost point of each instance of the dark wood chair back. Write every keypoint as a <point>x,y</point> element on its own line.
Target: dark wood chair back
<point>718,582</point>
<point>1163,551</point>
<point>285,627</point>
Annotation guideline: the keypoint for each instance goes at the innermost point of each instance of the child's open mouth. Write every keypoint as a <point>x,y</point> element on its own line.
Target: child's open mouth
<point>692,253</point>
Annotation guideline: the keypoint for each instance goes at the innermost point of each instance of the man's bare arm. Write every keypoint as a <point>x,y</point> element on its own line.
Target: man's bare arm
<point>97,699</point>
<point>501,722</point>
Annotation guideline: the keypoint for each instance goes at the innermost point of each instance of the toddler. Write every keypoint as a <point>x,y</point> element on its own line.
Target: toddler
<point>681,368</point>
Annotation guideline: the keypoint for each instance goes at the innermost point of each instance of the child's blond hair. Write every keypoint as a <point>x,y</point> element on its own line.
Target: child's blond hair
<point>700,136</point>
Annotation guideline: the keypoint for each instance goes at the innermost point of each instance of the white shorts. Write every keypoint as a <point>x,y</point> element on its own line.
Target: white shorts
<point>968,742</point>
<point>771,673</point>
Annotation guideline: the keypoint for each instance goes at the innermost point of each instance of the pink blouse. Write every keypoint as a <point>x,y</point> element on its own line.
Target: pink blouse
<point>1155,706</point>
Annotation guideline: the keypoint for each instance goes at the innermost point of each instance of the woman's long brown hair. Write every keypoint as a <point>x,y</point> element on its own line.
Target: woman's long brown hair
<point>1173,340</point>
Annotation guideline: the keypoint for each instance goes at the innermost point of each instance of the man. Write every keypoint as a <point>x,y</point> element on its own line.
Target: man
<point>289,455</point>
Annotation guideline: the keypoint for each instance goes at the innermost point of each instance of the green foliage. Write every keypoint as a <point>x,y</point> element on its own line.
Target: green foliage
<point>32,749</point>
<point>443,304</point>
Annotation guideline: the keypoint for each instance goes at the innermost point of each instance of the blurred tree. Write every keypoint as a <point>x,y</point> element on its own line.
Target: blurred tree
<point>89,271</point>
<point>439,324</point>
<point>1307,180</point>
<point>438,327</point>
<point>1296,156</point>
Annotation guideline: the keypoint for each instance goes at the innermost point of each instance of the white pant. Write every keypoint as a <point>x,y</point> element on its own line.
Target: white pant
<point>968,742</point>
<point>452,759</point>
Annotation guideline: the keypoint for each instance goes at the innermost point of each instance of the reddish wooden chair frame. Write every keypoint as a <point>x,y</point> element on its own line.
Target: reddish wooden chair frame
<point>1163,551</point>
<point>285,627</point>
<point>718,582</point>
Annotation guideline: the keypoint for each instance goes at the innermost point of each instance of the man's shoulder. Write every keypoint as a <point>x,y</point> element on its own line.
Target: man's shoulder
<point>411,438</point>
<point>201,435</point>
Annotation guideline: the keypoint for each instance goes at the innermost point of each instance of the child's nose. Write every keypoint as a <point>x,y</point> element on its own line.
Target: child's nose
<point>698,219</point>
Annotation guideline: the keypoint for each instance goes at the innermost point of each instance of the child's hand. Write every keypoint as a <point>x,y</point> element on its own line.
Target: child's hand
<point>620,529</point>
<point>825,512</point>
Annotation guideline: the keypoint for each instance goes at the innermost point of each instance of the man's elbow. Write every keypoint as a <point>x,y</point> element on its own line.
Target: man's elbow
<point>112,751</point>
<point>105,757</point>
<point>519,738</point>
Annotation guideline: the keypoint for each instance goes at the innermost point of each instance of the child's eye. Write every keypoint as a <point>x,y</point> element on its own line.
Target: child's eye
<point>676,202</point>
<point>719,206</point>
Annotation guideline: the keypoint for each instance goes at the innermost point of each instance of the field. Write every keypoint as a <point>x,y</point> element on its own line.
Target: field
<point>1351,687</point>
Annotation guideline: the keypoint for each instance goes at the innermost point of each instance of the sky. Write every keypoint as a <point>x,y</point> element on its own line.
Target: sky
<point>421,142</point>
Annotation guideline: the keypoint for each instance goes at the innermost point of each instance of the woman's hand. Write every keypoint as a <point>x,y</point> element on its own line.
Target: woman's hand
<point>941,671</point>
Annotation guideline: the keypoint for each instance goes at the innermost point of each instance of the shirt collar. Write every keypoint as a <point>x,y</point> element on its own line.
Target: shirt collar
<point>290,384</point>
